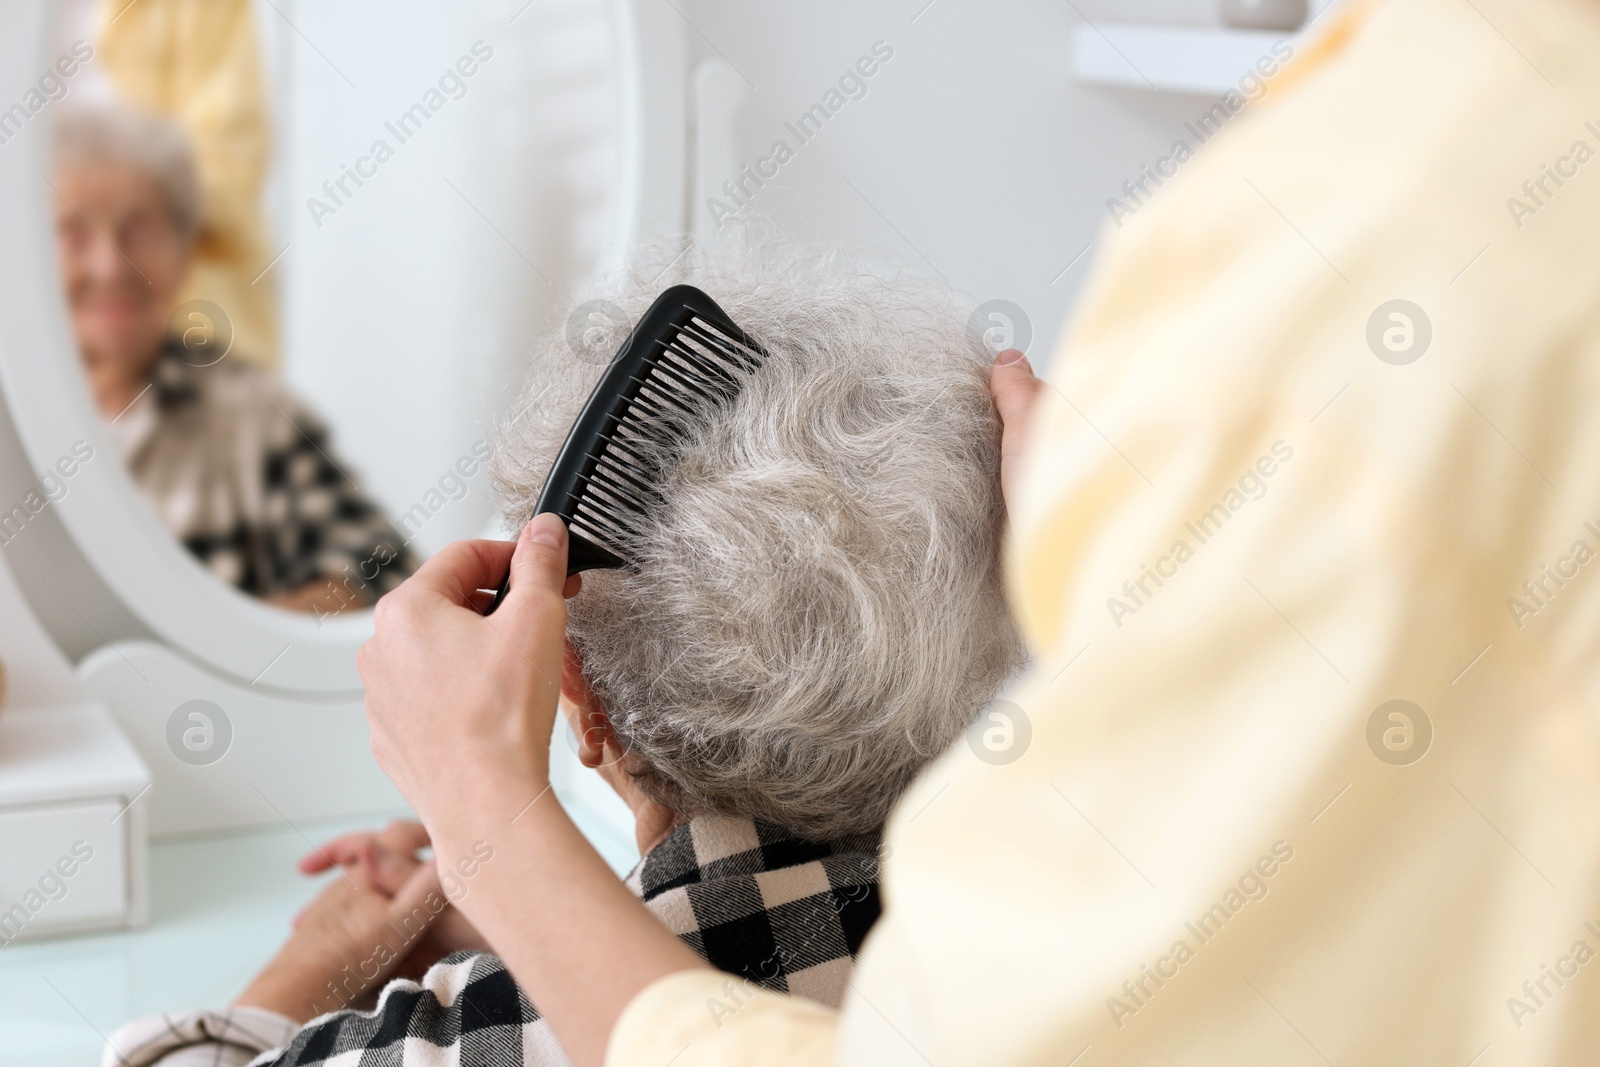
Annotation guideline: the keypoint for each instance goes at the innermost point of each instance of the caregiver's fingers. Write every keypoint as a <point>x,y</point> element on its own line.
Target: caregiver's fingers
<point>1015,390</point>
<point>462,568</point>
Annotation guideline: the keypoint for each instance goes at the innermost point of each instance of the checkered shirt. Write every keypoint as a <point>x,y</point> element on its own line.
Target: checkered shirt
<point>243,474</point>
<point>768,908</point>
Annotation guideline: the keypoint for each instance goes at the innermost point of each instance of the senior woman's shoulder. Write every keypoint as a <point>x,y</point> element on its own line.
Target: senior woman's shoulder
<point>231,392</point>
<point>755,900</point>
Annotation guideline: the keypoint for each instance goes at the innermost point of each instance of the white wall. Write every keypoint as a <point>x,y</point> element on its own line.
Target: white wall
<point>407,312</point>
<point>974,154</point>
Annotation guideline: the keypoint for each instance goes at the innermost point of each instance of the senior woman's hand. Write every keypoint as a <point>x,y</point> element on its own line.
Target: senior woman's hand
<point>348,941</point>
<point>388,859</point>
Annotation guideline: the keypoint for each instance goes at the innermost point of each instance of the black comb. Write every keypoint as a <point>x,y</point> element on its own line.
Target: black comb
<point>683,358</point>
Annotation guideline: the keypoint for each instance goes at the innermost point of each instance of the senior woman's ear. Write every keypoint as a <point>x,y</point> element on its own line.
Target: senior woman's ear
<point>1015,390</point>
<point>595,737</point>
<point>586,715</point>
<point>574,687</point>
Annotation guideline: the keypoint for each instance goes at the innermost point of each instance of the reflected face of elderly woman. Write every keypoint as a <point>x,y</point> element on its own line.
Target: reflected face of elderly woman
<point>123,258</point>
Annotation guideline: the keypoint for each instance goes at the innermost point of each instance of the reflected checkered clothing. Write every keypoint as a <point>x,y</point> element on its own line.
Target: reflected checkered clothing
<point>242,473</point>
<point>765,907</point>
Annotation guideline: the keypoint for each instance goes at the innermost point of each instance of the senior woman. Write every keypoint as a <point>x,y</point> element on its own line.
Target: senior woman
<point>1330,794</point>
<point>816,612</point>
<point>237,468</point>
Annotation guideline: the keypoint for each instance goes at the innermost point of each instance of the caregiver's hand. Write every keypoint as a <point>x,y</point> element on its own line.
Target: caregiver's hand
<point>1015,391</point>
<point>461,704</point>
<point>462,708</point>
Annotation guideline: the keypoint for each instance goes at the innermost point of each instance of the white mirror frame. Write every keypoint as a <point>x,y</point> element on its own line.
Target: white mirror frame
<point>99,556</point>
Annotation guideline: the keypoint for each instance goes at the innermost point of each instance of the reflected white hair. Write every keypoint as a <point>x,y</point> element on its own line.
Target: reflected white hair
<point>817,609</point>
<point>157,147</point>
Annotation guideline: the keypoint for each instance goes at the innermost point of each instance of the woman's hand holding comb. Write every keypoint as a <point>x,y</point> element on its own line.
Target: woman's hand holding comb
<point>462,707</point>
<point>461,704</point>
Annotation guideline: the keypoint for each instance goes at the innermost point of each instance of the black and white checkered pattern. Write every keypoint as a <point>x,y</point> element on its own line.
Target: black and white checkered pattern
<point>756,902</point>
<point>466,1010</point>
<point>310,522</point>
<point>786,914</point>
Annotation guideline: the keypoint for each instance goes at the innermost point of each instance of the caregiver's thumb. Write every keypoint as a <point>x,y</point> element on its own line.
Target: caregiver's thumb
<point>538,570</point>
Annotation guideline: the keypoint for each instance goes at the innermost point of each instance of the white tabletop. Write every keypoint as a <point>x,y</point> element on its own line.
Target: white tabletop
<point>220,906</point>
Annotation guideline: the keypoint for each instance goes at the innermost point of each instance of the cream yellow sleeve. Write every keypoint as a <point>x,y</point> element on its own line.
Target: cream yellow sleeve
<point>701,1019</point>
<point>1308,770</point>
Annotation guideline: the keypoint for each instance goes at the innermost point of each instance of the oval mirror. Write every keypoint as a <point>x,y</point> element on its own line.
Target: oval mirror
<point>275,272</point>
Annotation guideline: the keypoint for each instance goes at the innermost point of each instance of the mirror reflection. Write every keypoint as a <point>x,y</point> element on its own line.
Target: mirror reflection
<point>235,465</point>
<point>305,417</point>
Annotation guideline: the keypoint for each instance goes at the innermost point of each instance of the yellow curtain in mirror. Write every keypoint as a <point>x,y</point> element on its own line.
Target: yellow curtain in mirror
<point>199,62</point>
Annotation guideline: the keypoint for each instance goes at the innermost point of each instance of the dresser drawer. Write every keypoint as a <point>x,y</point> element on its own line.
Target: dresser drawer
<point>62,867</point>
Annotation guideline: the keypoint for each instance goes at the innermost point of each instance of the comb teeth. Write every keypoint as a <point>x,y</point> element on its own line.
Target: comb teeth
<point>684,359</point>
<point>682,373</point>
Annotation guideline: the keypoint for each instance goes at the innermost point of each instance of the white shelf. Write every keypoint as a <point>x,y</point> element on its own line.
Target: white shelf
<point>1175,59</point>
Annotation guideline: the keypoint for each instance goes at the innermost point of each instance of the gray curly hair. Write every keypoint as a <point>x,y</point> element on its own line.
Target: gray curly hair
<point>152,145</point>
<point>818,609</point>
